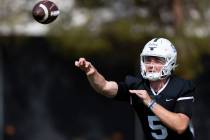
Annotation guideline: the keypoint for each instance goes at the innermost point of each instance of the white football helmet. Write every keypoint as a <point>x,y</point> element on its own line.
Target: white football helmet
<point>159,47</point>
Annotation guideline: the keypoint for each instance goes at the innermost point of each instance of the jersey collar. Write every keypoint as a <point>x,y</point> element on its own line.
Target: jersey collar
<point>156,93</point>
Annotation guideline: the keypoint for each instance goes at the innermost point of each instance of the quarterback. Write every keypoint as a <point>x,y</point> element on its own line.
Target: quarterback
<point>163,101</point>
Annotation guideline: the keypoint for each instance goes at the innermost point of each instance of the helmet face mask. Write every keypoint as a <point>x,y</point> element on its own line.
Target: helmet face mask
<point>162,49</point>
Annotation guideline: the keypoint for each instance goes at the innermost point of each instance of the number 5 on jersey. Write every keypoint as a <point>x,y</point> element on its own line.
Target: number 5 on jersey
<point>154,126</point>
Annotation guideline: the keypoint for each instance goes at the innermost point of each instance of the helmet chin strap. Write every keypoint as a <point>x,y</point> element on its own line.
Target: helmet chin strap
<point>153,76</point>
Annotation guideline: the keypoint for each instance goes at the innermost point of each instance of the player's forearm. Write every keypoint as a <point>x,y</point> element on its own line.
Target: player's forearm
<point>101,85</point>
<point>175,121</point>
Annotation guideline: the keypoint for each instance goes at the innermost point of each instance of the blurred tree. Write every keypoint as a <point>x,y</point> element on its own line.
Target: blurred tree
<point>100,25</point>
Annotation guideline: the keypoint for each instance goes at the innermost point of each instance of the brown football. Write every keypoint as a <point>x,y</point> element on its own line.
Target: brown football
<point>45,11</point>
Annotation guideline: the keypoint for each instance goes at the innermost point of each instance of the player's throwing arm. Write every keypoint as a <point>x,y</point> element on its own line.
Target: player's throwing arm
<point>97,81</point>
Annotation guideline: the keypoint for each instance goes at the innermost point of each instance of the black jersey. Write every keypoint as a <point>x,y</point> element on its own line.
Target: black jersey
<point>177,97</point>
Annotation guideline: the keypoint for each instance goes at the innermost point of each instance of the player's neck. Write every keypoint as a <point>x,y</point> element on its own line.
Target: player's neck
<point>157,85</point>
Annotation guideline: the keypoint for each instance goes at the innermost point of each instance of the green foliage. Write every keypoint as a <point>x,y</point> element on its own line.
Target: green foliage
<point>190,52</point>
<point>123,32</point>
<point>80,41</point>
<point>90,3</point>
<point>131,35</point>
<point>110,26</point>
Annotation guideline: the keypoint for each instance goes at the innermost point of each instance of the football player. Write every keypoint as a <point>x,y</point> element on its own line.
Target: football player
<point>163,101</point>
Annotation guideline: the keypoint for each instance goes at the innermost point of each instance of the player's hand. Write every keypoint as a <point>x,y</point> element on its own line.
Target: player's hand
<point>85,66</point>
<point>143,95</point>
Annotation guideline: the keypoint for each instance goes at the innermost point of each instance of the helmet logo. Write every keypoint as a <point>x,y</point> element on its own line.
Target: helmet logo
<point>152,47</point>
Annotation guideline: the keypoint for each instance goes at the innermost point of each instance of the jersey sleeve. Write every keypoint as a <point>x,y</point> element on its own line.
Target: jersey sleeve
<point>184,103</point>
<point>130,82</point>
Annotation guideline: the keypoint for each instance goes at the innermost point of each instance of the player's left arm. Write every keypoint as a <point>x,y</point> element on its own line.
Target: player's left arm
<point>175,121</point>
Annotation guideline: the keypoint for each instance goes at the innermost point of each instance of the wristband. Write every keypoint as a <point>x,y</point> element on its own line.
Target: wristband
<point>151,104</point>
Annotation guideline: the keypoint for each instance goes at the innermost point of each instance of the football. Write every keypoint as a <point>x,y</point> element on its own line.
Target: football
<point>45,11</point>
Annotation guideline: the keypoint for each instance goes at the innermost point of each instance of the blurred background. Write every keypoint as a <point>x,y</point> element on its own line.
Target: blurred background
<point>44,97</point>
